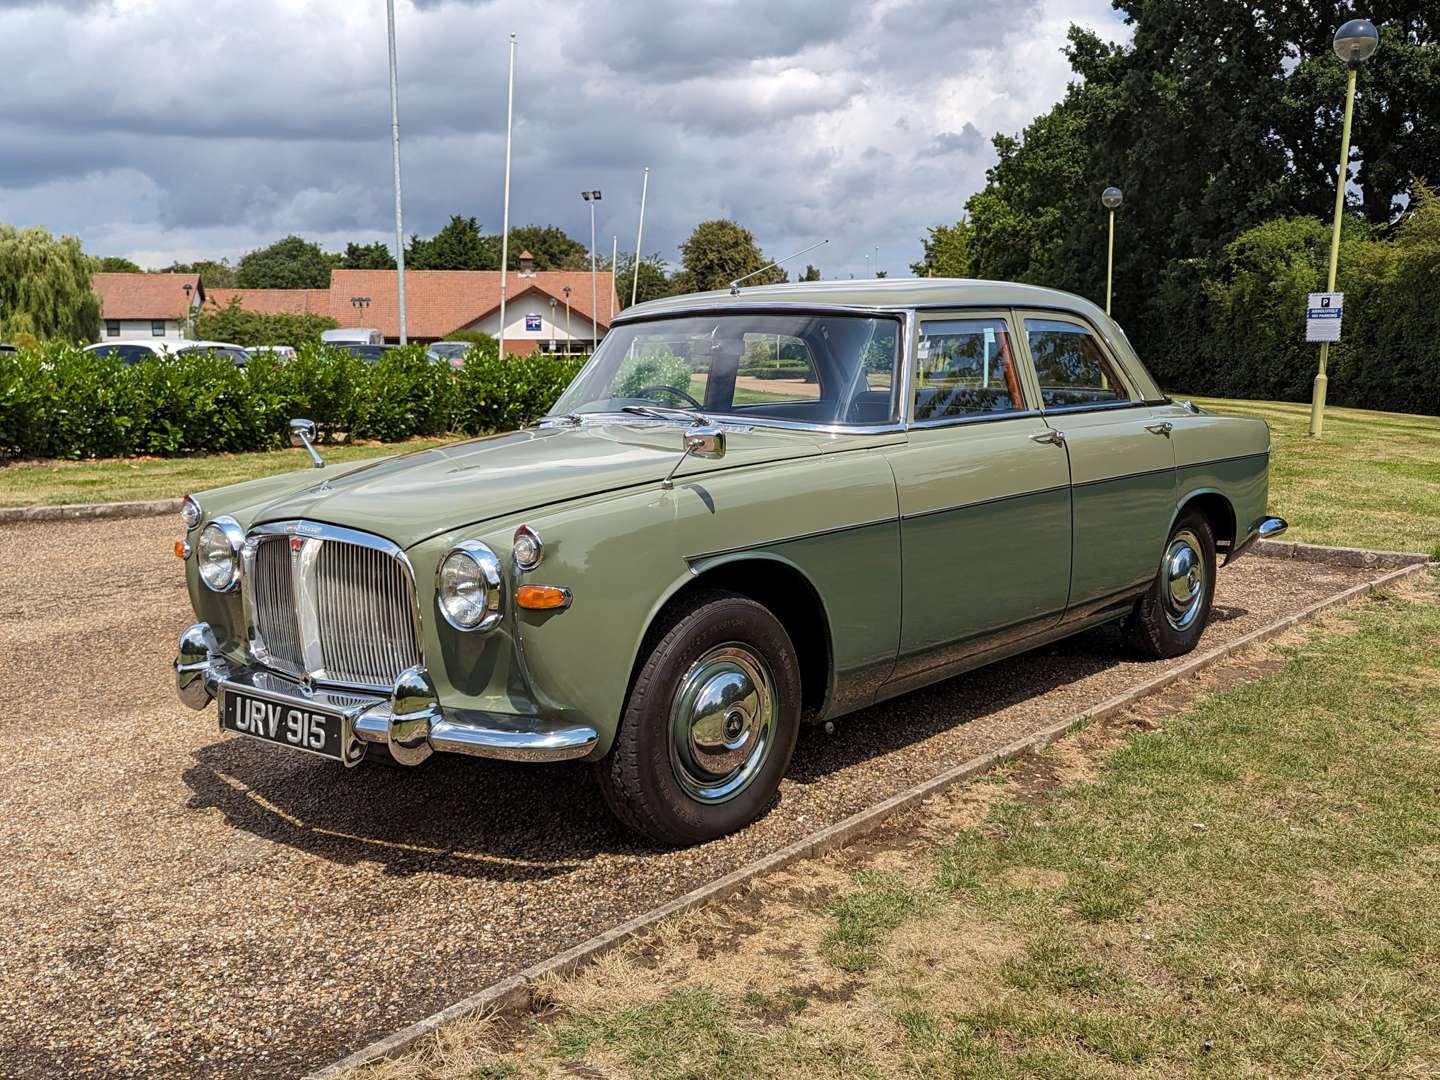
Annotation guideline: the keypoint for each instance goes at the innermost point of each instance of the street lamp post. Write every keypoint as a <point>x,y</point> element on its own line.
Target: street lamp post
<point>1112,198</point>
<point>553,304</point>
<point>1354,43</point>
<point>189,311</point>
<point>593,197</point>
<point>568,335</point>
<point>359,303</point>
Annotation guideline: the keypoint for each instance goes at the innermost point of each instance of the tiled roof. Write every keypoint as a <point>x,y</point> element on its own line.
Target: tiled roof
<point>439,302</point>
<point>273,301</point>
<point>143,296</point>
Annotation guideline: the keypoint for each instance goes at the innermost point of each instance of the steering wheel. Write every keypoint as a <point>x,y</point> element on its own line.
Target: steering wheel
<point>673,391</point>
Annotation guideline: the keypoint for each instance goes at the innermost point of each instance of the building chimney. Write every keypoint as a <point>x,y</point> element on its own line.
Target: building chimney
<point>527,264</point>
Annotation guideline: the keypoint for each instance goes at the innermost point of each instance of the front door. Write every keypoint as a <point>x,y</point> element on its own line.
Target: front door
<point>1122,461</point>
<point>984,498</point>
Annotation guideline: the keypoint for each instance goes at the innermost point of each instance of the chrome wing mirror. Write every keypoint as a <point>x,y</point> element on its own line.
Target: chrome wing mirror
<point>705,441</point>
<point>302,433</point>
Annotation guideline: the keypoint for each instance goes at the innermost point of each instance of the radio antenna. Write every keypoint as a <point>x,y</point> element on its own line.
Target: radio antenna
<point>735,285</point>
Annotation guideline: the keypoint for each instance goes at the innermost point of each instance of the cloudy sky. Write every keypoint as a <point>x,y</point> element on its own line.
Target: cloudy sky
<point>165,131</point>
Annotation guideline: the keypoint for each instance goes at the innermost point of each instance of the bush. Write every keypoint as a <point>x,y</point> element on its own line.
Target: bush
<point>234,324</point>
<point>60,402</point>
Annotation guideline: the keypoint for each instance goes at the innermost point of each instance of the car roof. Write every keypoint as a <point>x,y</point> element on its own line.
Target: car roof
<point>878,293</point>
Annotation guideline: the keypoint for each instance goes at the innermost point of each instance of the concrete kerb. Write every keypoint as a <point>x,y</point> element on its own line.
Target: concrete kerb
<point>11,515</point>
<point>513,994</point>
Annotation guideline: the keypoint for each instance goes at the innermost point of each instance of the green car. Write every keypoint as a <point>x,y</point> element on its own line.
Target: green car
<point>749,511</point>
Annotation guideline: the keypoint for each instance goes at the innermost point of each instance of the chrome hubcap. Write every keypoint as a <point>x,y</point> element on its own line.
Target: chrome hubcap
<point>1184,580</point>
<point>722,723</point>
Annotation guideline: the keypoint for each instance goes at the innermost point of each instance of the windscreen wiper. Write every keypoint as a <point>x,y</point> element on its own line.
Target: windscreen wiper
<point>664,412</point>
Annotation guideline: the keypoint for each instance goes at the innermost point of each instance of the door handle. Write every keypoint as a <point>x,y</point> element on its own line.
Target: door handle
<point>1053,437</point>
<point>1163,428</point>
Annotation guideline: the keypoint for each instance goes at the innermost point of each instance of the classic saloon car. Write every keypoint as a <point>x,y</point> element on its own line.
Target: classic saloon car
<point>747,512</point>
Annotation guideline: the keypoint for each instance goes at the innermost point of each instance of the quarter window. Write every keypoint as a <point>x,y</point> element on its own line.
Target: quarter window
<point>965,367</point>
<point>1072,368</point>
<point>157,327</point>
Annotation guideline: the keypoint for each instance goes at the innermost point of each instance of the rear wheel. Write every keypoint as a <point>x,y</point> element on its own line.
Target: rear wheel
<point>1169,619</point>
<point>709,725</point>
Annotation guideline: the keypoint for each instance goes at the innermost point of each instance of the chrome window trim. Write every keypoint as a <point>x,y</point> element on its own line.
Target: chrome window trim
<point>307,612</point>
<point>1102,406</point>
<point>978,418</point>
<point>899,410</point>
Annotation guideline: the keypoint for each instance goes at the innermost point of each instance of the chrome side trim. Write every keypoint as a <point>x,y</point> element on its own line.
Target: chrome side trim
<point>1266,528</point>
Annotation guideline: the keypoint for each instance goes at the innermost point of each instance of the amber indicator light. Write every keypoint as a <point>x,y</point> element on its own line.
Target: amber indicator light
<point>542,597</point>
<point>182,549</point>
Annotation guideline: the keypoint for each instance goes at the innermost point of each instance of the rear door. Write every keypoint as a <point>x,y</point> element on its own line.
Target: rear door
<point>1122,462</point>
<point>984,497</point>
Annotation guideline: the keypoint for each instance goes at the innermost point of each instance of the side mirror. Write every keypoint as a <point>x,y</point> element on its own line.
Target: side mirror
<point>302,433</point>
<point>705,442</point>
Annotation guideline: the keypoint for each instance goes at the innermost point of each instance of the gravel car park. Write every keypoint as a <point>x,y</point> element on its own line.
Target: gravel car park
<point>178,903</point>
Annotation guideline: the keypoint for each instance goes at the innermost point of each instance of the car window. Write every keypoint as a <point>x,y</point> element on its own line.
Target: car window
<point>965,367</point>
<point>1072,368</point>
<point>807,368</point>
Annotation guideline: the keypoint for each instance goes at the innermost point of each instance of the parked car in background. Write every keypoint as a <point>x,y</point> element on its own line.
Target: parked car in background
<point>132,352</point>
<point>696,552</point>
<point>449,352</point>
<point>8,348</point>
<point>352,335</point>
<point>369,353</point>
<point>280,352</point>
<point>237,354</point>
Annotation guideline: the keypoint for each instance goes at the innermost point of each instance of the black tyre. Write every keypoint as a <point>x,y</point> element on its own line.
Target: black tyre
<point>1169,619</point>
<point>710,723</point>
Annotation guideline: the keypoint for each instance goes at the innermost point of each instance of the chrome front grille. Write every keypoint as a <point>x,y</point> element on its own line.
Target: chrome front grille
<point>365,607</point>
<point>332,603</point>
<point>273,588</point>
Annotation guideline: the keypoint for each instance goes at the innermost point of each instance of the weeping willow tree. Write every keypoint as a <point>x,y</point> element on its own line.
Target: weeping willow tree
<point>45,287</point>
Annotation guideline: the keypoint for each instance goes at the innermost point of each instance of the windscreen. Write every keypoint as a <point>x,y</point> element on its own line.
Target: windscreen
<point>801,368</point>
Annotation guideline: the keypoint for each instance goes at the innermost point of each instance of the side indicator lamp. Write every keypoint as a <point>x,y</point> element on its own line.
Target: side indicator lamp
<point>542,598</point>
<point>182,549</point>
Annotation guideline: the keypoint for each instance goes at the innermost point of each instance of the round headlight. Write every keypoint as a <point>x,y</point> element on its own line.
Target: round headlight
<point>190,512</point>
<point>469,587</point>
<point>218,554</point>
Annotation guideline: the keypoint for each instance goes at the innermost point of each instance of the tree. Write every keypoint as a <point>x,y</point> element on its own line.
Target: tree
<point>234,323</point>
<point>291,263</point>
<point>114,264</point>
<point>653,282</point>
<point>374,256</point>
<point>717,253</point>
<point>45,287</point>
<point>947,252</point>
<point>552,248</point>
<point>812,273</point>
<point>215,275</point>
<point>460,245</point>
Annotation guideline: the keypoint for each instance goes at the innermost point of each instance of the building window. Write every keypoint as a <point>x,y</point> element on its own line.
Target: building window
<point>112,327</point>
<point>157,327</point>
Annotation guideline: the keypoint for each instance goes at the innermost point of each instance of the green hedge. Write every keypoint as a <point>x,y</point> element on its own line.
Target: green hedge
<point>60,402</point>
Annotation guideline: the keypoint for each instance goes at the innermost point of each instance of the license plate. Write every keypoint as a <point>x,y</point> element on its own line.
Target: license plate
<point>291,724</point>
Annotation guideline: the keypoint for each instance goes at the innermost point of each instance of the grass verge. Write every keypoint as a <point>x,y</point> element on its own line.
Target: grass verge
<point>1372,481</point>
<point>1245,889</point>
<point>56,483</point>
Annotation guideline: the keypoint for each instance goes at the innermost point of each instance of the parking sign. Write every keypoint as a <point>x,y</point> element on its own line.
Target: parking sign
<point>532,324</point>
<point>1323,315</point>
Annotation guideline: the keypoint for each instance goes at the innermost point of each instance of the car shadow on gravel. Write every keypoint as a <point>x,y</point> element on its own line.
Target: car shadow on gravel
<point>473,818</point>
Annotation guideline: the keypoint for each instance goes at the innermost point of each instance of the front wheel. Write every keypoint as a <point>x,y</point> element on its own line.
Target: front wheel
<point>709,725</point>
<point>1169,619</point>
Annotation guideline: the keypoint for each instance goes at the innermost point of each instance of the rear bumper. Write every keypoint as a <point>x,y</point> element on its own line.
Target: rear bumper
<point>411,722</point>
<point>1266,528</point>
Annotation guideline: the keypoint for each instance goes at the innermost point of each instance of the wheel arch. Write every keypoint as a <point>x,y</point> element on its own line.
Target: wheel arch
<point>783,589</point>
<point>1217,510</point>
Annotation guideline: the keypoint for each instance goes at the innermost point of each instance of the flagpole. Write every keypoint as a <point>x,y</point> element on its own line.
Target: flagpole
<point>395,140</point>
<point>639,236</point>
<point>614,254</point>
<point>505,214</point>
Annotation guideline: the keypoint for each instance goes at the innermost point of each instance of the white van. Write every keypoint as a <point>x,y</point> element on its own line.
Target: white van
<point>352,335</point>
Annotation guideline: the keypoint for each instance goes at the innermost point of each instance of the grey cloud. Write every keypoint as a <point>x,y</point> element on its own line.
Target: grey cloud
<point>967,140</point>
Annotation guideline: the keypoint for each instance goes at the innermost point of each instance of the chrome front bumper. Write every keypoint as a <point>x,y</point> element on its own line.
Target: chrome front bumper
<point>411,721</point>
